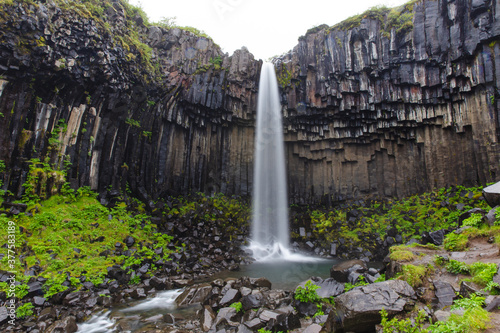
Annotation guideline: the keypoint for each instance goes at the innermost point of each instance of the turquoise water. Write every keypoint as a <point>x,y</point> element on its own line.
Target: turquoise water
<point>283,274</point>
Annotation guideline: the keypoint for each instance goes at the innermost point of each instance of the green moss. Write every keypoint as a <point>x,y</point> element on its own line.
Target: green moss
<point>284,76</point>
<point>456,242</point>
<point>415,274</point>
<point>375,13</point>
<point>410,217</point>
<point>401,255</point>
<point>59,226</point>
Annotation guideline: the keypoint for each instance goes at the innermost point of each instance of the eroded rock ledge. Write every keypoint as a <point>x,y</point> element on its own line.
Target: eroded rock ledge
<point>367,112</point>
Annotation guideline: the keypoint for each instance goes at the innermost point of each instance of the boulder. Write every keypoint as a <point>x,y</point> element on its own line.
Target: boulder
<point>492,303</point>
<point>207,317</point>
<point>252,301</point>
<point>4,315</point>
<point>492,194</point>
<point>306,309</point>
<point>358,310</point>
<point>226,316</point>
<point>195,294</point>
<point>35,289</point>
<point>66,325</point>
<point>288,323</point>
<point>445,294</point>
<point>231,296</point>
<point>314,328</point>
<point>491,216</point>
<point>138,293</point>
<point>327,287</point>
<point>254,324</point>
<point>160,284</point>
<point>169,318</point>
<point>340,272</point>
<point>260,283</point>
<point>39,301</point>
<point>434,237</point>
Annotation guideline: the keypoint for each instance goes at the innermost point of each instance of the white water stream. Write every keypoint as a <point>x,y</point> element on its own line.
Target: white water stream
<point>270,231</point>
<point>105,322</point>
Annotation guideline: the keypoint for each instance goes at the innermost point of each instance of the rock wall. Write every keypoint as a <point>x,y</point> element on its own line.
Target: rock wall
<point>180,121</point>
<point>377,114</point>
<point>164,112</point>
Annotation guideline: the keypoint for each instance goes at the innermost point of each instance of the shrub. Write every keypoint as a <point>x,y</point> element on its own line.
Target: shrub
<point>482,273</point>
<point>307,294</point>
<point>475,220</point>
<point>402,326</point>
<point>497,216</point>
<point>24,310</point>
<point>465,303</point>
<point>414,274</point>
<point>474,320</point>
<point>237,306</point>
<point>455,242</point>
<point>457,267</point>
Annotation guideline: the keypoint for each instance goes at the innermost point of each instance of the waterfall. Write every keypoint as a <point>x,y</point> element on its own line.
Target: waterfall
<point>270,231</point>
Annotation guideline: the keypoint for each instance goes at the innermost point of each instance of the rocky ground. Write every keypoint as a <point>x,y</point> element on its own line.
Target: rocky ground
<point>204,243</point>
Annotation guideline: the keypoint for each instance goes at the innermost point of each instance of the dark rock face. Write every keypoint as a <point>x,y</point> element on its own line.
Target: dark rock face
<point>365,113</point>
<point>358,309</point>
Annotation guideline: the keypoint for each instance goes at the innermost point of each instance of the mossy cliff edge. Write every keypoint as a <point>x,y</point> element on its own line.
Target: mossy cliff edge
<point>389,103</point>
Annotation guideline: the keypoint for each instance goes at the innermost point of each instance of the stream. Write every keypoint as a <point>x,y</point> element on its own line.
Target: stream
<point>133,316</point>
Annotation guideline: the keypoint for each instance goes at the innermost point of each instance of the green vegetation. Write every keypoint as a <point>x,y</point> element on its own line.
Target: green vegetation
<point>475,220</point>
<point>69,235</point>
<point>215,63</point>
<point>400,18</point>
<point>284,76</point>
<point>42,181</point>
<point>400,253</point>
<point>480,273</point>
<point>474,319</point>
<point>408,217</point>
<point>307,294</point>
<point>24,310</point>
<point>348,286</point>
<point>131,36</point>
<point>415,274</point>
<point>457,267</point>
<point>133,123</point>
<point>403,326</point>
<point>229,213</point>
<point>237,306</point>
<point>456,242</point>
<point>375,13</point>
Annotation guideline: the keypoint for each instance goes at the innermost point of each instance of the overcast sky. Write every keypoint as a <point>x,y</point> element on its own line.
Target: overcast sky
<point>266,27</point>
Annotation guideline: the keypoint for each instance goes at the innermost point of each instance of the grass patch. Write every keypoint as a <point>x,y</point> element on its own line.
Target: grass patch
<point>475,319</point>
<point>456,242</point>
<point>71,238</point>
<point>415,274</point>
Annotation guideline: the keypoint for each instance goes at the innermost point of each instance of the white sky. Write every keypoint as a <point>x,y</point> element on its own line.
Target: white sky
<point>266,27</point>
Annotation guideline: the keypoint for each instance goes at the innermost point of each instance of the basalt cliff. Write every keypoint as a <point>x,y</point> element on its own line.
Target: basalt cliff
<point>389,103</point>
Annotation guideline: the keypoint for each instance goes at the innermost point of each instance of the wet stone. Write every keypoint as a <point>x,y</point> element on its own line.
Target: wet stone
<point>39,301</point>
<point>254,324</point>
<point>231,296</point>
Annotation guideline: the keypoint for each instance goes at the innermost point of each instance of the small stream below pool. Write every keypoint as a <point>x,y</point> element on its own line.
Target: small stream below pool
<point>133,316</point>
